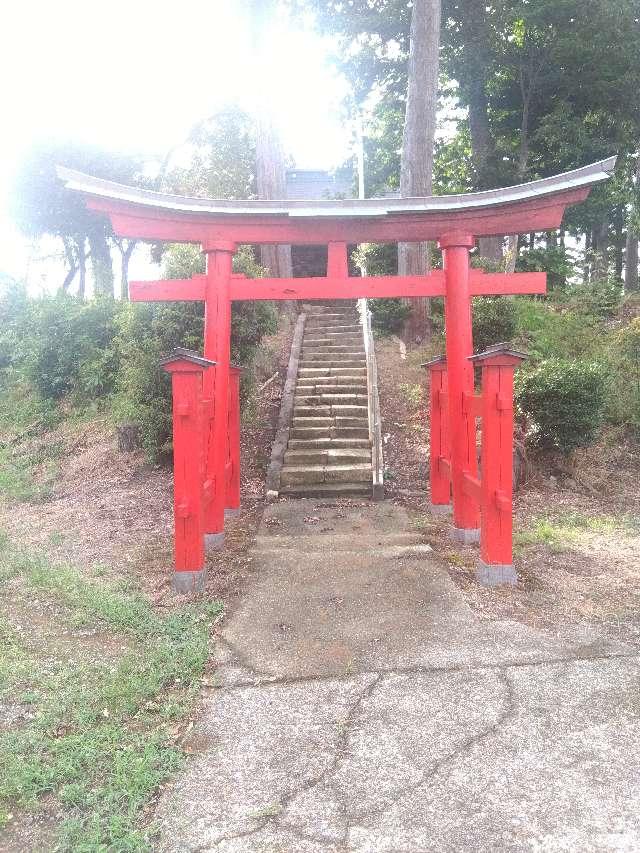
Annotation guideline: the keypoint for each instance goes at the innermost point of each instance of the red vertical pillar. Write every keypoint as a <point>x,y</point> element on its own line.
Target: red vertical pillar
<point>232,502</point>
<point>187,369</point>
<point>217,346</point>
<point>496,536</point>
<point>439,467</point>
<point>459,346</point>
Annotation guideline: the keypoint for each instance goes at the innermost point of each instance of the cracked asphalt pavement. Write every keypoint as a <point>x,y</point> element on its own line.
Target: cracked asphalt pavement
<point>360,705</point>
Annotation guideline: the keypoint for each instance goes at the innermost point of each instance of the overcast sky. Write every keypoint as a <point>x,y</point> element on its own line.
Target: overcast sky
<point>137,75</point>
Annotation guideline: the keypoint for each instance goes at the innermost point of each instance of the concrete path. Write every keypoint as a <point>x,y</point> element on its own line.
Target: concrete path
<point>361,706</point>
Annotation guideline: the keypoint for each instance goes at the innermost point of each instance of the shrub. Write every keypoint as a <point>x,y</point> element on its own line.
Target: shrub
<point>494,321</point>
<point>624,361</point>
<point>544,330</point>
<point>148,332</point>
<point>69,348</point>
<point>564,402</point>
<point>388,316</point>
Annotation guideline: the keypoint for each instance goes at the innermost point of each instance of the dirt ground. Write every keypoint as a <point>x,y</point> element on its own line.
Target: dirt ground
<point>115,510</point>
<point>577,525</point>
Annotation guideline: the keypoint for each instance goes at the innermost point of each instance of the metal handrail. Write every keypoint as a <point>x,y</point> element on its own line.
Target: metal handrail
<point>373,402</point>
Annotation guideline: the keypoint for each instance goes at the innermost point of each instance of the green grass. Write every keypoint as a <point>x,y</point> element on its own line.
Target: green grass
<point>99,738</point>
<point>558,532</point>
<point>18,472</point>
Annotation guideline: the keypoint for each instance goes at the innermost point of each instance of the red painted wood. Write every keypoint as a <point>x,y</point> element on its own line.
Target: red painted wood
<point>496,532</point>
<point>438,439</point>
<point>333,287</point>
<point>471,486</point>
<point>501,284</point>
<point>459,346</point>
<point>188,465</point>
<point>233,478</point>
<point>217,338</point>
<point>168,290</point>
<point>131,220</point>
<point>473,405</point>
<point>337,261</point>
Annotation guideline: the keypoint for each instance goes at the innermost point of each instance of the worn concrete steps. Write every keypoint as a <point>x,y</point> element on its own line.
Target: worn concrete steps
<point>329,451</point>
<point>327,456</point>
<point>328,443</point>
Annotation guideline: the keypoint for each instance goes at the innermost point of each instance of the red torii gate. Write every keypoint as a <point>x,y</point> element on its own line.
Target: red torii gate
<point>455,221</point>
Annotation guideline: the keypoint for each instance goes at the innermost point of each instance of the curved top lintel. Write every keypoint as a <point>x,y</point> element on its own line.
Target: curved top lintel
<point>585,176</point>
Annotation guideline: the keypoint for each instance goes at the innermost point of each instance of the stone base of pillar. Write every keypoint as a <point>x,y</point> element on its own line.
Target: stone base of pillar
<point>440,509</point>
<point>232,513</point>
<point>213,542</point>
<point>467,536</point>
<point>189,582</point>
<point>489,574</point>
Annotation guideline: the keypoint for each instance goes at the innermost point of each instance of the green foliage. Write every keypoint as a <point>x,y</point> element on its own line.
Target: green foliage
<point>388,316</point>
<point>564,402</point>
<point>546,330</point>
<point>494,321</point>
<point>42,205</point>
<point>624,361</point>
<point>99,740</point>
<point>147,333</point>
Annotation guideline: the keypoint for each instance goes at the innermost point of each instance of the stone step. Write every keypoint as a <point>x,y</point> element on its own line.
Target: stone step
<point>327,490</point>
<point>344,317</point>
<point>355,472</point>
<point>347,380</point>
<point>331,354</point>
<point>343,419</point>
<point>328,443</point>
<point>326,371</point>
<point>313,421</point>
<point>333,328</point>
<point>328,456</point>
<point>353,341</point>
<point>313,390</point>
<point>337,365</point>
<point>327,399</point>
<point>331,411</point>
<point>336,431</point>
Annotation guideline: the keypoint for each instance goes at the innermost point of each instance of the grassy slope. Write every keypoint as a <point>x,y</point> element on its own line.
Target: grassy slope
<point>93,725</point>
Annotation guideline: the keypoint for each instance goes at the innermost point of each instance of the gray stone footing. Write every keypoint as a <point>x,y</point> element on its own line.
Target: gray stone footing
<point>232,513</point>
<point>440,509</point>
<point>466,536</point>
<point>494,575</point>
<point>186,582</point>
<point>213,541</point>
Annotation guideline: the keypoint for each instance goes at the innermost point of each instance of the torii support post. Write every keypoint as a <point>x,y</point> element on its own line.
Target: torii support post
<point>187,371</point>
<point>217,342</point>
<point>459,346</point>
<point>496,487</point>
<point>439,453</point>
<point>232,501</point>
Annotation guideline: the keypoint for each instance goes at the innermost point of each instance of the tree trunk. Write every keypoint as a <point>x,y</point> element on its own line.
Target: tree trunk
<point>82,268</point>
<point>101,265</point>
<point>73,265</point>
<point>125,257</point>
<point>631,282</point>
<point>416,173</point>
<point>475,60</point>
<point>270,165</point>
<point>601,250</point>
<point>271,181</point>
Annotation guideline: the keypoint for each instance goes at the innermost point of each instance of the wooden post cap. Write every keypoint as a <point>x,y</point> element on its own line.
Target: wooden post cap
<point>185,359</point>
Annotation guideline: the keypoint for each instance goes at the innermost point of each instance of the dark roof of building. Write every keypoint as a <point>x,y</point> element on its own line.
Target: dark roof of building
<point>318,184</point>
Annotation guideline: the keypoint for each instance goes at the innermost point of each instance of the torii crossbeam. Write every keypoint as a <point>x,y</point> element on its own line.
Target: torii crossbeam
<point>455,221</point>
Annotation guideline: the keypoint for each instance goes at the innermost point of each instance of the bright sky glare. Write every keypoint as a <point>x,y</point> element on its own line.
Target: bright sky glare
<point>137,75</point>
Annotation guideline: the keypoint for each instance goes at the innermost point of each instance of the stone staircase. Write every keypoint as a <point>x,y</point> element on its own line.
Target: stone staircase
<point>329,449</point>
